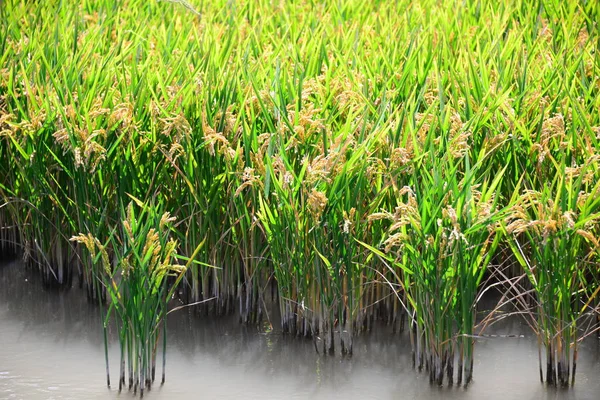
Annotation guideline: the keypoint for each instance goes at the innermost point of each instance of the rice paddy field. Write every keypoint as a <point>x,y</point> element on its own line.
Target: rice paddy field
<point>335,172</point>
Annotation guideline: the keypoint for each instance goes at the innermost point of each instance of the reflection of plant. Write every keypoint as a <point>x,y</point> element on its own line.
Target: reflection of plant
<point>136,283</point>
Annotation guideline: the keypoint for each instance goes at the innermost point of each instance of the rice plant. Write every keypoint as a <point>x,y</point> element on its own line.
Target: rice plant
<point>137,286</point>
<point>440,241</point>
<point>555,223</point>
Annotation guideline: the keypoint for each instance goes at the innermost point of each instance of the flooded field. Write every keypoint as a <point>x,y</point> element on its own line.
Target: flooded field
<point>52,349</point>
<point>350,159</point>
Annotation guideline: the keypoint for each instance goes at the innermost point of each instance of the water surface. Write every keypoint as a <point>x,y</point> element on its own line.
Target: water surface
<point>51,347</point>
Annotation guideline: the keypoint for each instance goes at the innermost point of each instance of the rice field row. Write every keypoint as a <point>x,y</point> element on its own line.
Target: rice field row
<point>359,160</point>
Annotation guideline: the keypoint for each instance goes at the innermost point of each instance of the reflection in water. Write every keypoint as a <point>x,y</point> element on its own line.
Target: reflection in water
<point>51,348</point>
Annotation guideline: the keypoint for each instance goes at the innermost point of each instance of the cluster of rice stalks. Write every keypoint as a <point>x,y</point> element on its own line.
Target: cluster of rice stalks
<point>556,226</point>
<point>143,257</point>
<point>440,240</point>
<point>360,160</point>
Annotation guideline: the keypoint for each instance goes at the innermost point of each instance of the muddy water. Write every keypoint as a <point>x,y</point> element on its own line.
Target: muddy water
<point>51,348</point>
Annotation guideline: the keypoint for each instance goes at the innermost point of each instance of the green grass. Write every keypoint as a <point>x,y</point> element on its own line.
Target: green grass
<point>374,159</point>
